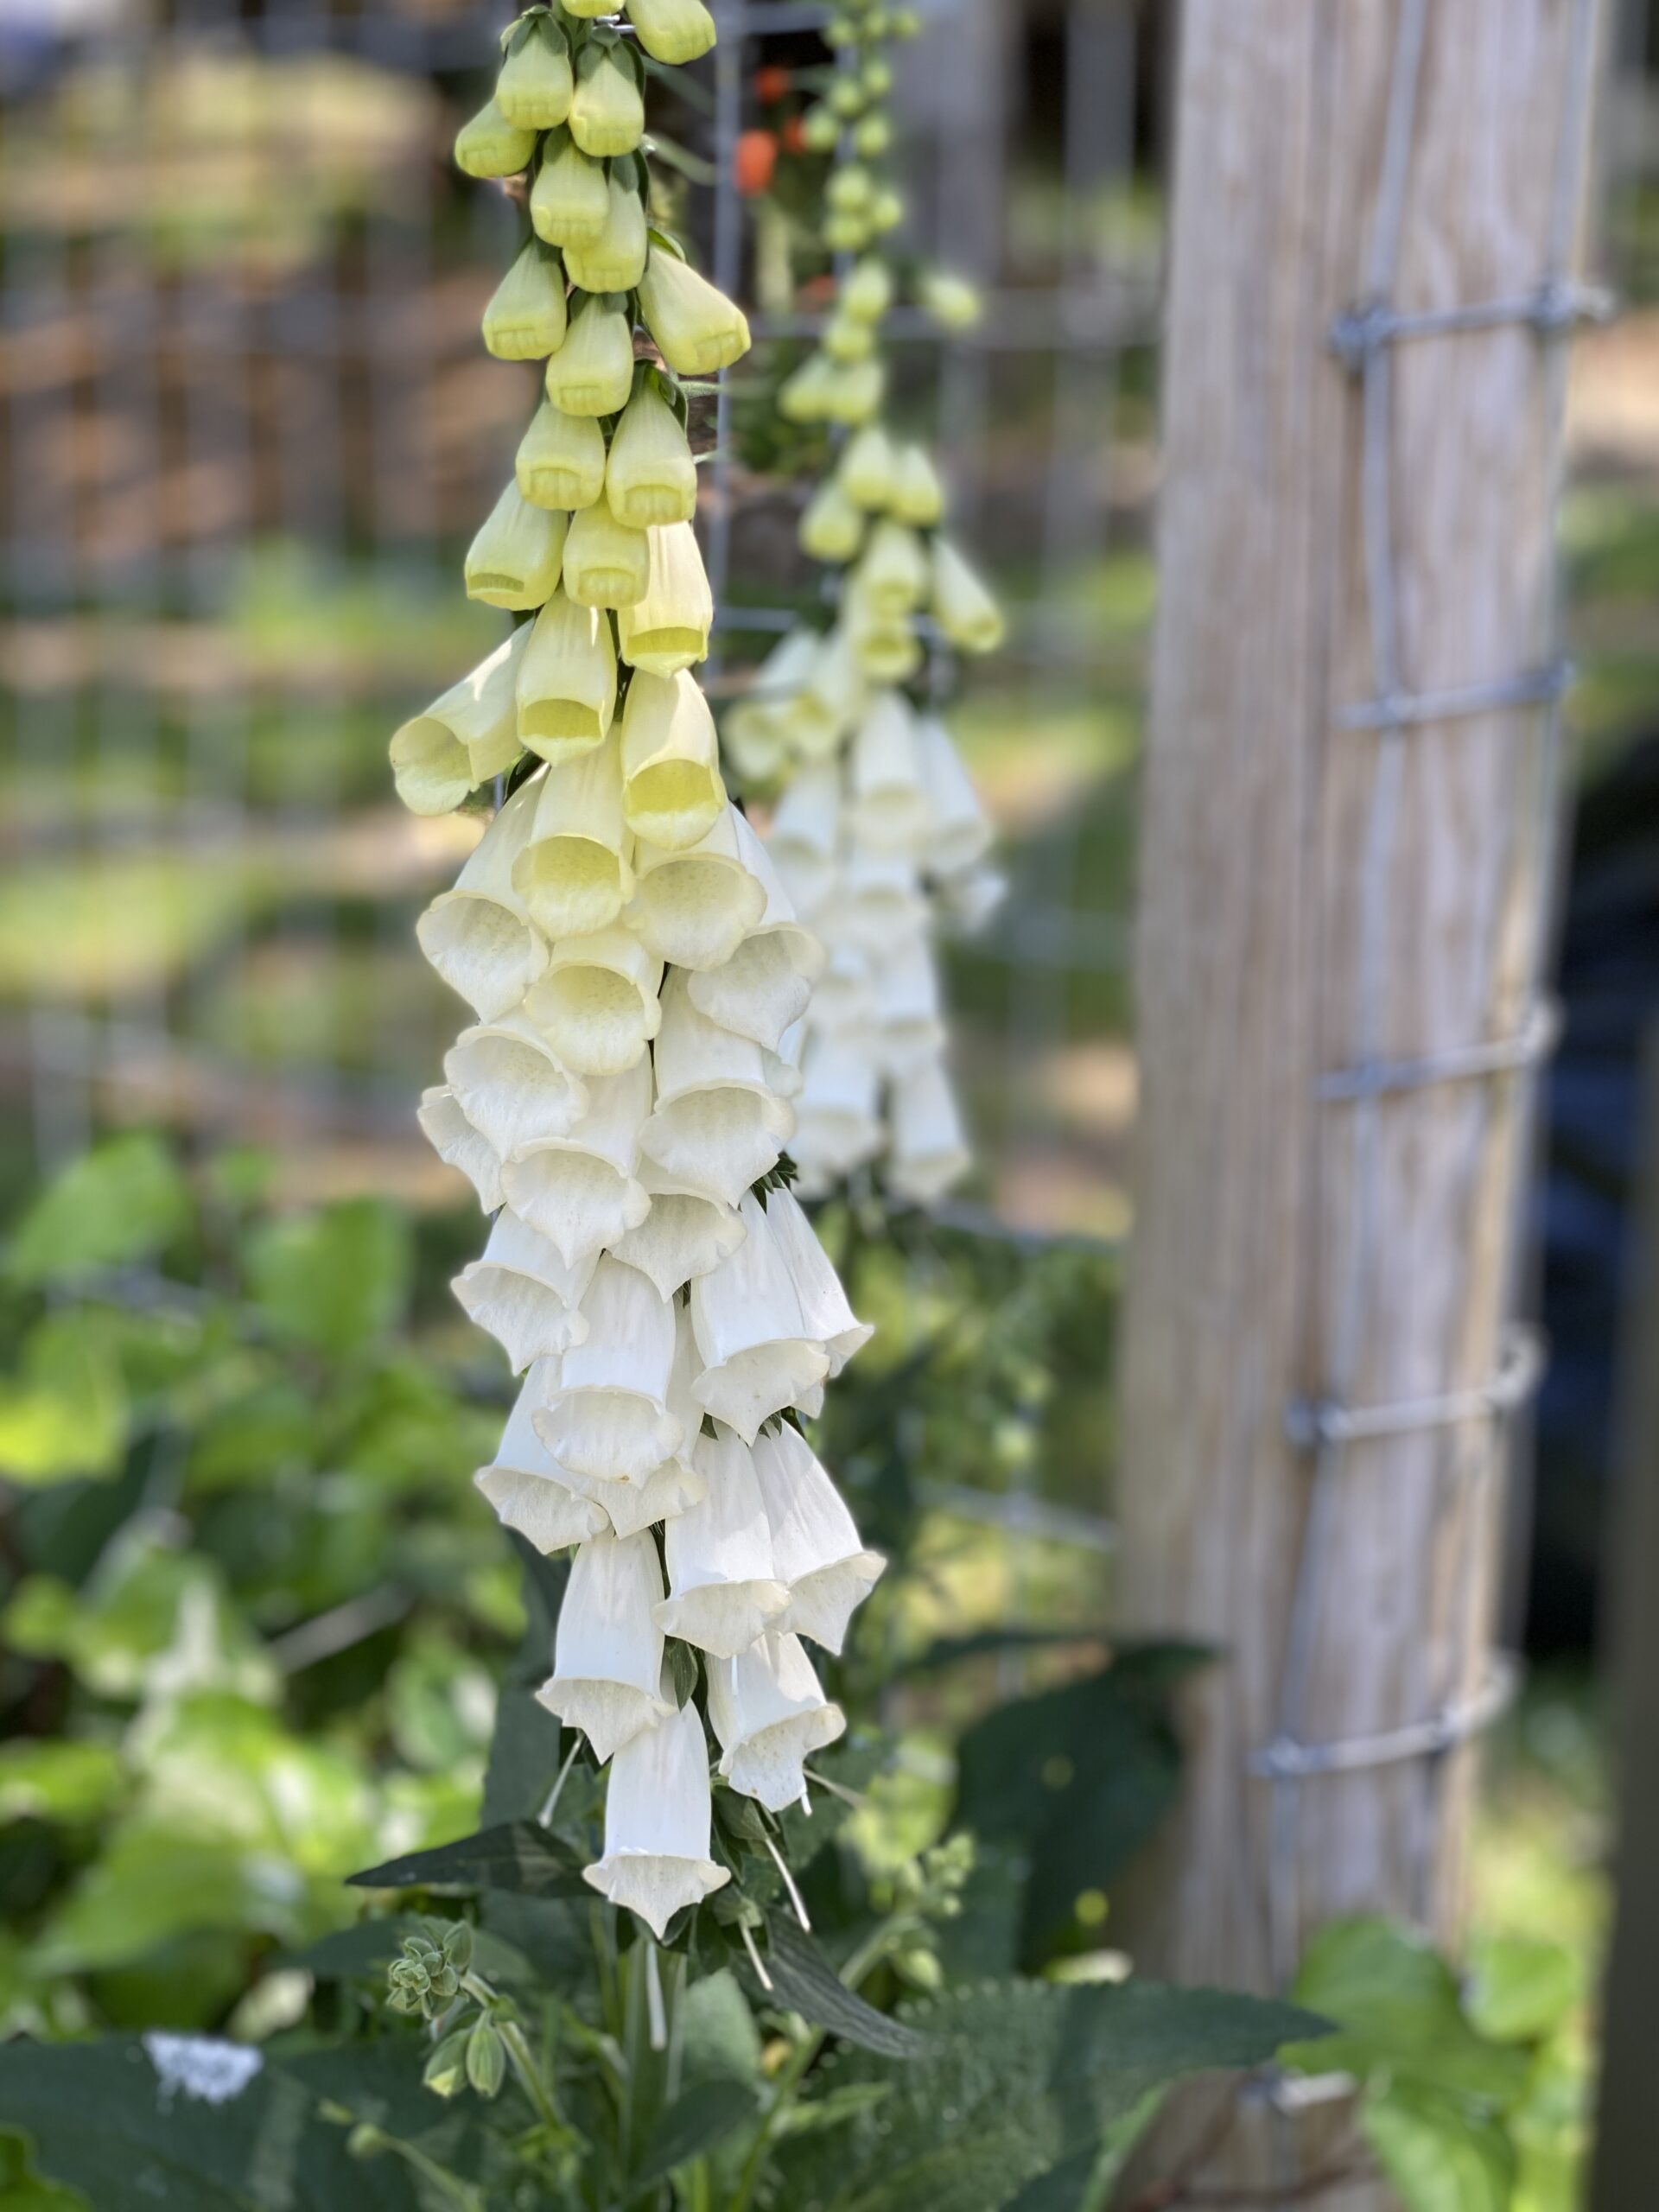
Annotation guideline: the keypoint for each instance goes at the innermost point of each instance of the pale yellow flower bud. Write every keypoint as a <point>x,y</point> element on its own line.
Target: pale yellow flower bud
<point>805,393</point>
<point>868,468</point>
<point>856,392</point>
<point>605,562</point>
<point>892,576</point>
<point>667,629</point>
<point>607,115</point>
<point>591,374</point>
<point>832,528</point>
<point>963,606</point>
<point>616,260</point>
<point>534,87</point>
<point>514,560</point>
<point>526,320</point>
<point>671,791</point>
<point>886,212</point>
<point>876,77</point>
<point>651,476</point>
<point>819,129</point>
<point>567,681</point>
<point>849,190</point>
<point>952,300</point>
<point>672,31</point>
<point>846,339</point>
<point>561,459</point>
<point>569,201</point>
<point>872,138</point>
<point>847,233</point>
<point>867,291</point>
<point>589,8</point>
<point>884,648</point>
<point>918,495</point>
<point>573,874</point>
<point>697,329</point>
<point>491,146</point>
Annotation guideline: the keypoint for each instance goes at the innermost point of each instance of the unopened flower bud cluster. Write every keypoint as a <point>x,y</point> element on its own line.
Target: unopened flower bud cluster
<point>623,1096</point>
<point>878,835</point>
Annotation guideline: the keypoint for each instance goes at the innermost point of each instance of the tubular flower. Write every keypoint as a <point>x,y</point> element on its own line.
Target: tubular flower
<point>641,980</point>
<point>561,459</point>
<point>832,526</point>
<point>526,320</point>
<point>489,145</point>
<point>697,329</point>
<point>962,608</point>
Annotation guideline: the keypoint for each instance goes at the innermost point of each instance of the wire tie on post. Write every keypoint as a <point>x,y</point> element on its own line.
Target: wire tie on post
<point>1310,1422</point>
<point>1442,1731</point>
<point>1532,687</point>
<point>1534,1042</point>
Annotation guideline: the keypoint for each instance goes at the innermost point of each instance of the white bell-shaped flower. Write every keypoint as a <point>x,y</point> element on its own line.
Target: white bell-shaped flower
<point>657,1819</point>
<point>890,802</point>
<point>831,700</point>
<point>514,560</point>
<point>634,1501</point>
<point>609,1414</point>
<point>579,1189</point>
<point>884,899</point>
<point>723,1590</point>
<point>906,1008</point>
<point>694,908</point>
<point>560,460</point>
<point>759,1353</point>
<point>844,998</point>
<point>816,1548</point>
<point>764,989</point>
<point>930,1150</point>
<point>567,680</point>
<point>824,1309</point>
<point>479,936</point>
<point>838,1123</point>
<point>672,794</point>
<point>769,1715</point>
<point>667,629</point>
<point>572,873</point>
<point>685,1235</point>
<point>511,1087</point>
<point>597,1004</point>
<point>464,738</point>
<point>607,1655</point>
<point>962,608</point>
<point>458,1144</point>
<point>784,1066</point>
<point>968,901</point>
<point>805,834</point>
<point>893,575</point>
<point>524,1292</point>
<point>522,1482</point>
<point>958,833</point>
<point>716,1127</point>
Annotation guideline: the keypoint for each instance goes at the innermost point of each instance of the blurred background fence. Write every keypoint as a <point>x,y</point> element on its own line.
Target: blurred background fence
<point>248,429</point>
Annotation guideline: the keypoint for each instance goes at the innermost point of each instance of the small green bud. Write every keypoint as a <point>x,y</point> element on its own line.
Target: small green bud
<point>918,495</point>
<point>533,90</point>
<point>904,22</point>
<point>803,395</point>
<point>846,339</point>
<point>607,114</point>
<point>491,146</point>
<point>872,138</point>
<point>840,32</point>
<point>591,374</point>
<point>846,98</point>
<point>526,318</point>
<point>819,129</point>
<point>445,2072</point>
<point>952,300</point>
<point>486,2059</point>
<point>569,202</point>
<point>886,211</point>
<point>615,261</point>
<point>856,392</point>
<point>851,189</point>
<point>651,476</point>
<point>867,293</point>
<point>458,1945</point>
<point>868,469</point>
<point>876,77</point>
<point>560,460</point>
<point>846,233</point>
<point>962,608</point>
<point>697,329</point>
<point>831,528</point>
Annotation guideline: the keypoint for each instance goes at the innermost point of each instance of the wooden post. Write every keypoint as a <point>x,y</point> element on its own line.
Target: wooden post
<point>1316,896</point>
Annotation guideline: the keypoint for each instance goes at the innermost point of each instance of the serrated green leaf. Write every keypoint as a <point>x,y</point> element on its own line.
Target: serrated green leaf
<point>1440,2154</point>
<point>517,1856</point>
<point>125,1201</point>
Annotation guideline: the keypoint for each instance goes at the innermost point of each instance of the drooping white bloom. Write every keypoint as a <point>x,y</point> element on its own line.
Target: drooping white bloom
<point>723,1589</point>
<point>816,1548</point>
<point>511,1087</point>
<point>597,1004</point>
<point>667,628</point>
<point>837,1126</point>
<point>958,833</point>
<point>657,1818</point>
<point>685,1235</point>
<point>759,1352</point>
<point>769,1715</point>
<point>609,1414</point>
<point>929,1150</point>
<point>906,1004</point>
<point>572,870</point>
<point>805,833</point>
<point>524,1292</point>
<point>967,901</point>
<point>479,936</point>
<point>672,794</point>
<point>716,1127</point>
<point>890,800</point>
<point>763,989</point>
<point>578,1188</point>
<point>514,560</point>
<point>522,1482</point>
<point>828,1317</point>
<point>567,680</point>
<point>458,1144</point>
<point>962,608</point>
<point>694,908</point>
<point>607,1655</point>
<point>464,738</point>
<point>884,899</point>
<point>632,1502</point>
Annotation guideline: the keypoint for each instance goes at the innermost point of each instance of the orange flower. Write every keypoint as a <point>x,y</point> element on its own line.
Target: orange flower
<point>794,137</point>
<point>754,159</point>
<point>772,82</point>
